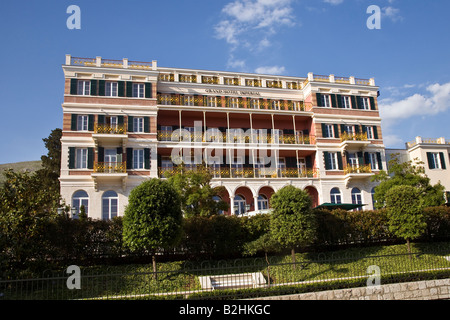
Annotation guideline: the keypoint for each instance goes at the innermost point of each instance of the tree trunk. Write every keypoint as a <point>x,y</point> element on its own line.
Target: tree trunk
<point>293,258</point>
<point>155,275</point>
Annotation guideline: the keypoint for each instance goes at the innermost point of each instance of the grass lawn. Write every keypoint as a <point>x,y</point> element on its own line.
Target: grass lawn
<point>313,271</point>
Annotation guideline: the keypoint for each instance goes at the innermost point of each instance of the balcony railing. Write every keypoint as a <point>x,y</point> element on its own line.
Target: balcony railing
<point>358,169</point>
<point>110,167</point>
<point>109,129</point>
<point>250,173</point>
<point>235,137</point>
<point>355,137</point>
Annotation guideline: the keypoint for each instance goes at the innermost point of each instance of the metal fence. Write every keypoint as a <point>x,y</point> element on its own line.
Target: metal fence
<point>242,278</point>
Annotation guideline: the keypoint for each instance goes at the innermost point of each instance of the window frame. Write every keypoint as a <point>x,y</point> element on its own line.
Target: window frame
<point>81,158</point>
<point>346,102</point>
<point>82,122</point>
<point>111,89</point>
<point>326,100</point>
<point>138,124</point>
<point>336,197</point>
<point>138,159</point>
<point>84,87</point>
<point>138,90</point>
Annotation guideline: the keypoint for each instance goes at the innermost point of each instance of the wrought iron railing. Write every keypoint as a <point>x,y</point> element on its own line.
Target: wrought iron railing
<point>358,169</point>
<point>354,136</point>
<point>109,129</point>
<point>110,167</point>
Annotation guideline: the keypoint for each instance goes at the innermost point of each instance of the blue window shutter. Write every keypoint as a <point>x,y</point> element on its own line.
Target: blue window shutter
<point>380,164</point>
<point>375,132</point>
<point>372,103</point>
<point>339,157</point>
<point>324,131</point>
<point>336,130</point>
<point>121,89</point>
<point>130,124</point>
<point>91,120</point>
<point>129,158</point>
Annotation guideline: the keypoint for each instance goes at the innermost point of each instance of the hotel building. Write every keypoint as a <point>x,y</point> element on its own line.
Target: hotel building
<point>126,121</point>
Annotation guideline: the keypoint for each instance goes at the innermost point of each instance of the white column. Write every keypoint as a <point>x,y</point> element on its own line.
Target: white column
<point>255,199</point>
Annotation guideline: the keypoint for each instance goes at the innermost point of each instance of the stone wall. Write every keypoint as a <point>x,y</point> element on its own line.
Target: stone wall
<point>420,290</point>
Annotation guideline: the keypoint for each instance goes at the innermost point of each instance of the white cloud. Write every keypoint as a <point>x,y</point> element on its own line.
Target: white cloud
<point>275,70</point>
<point>334,2</point>
<point>392,13</point>
<point>249,15</point>
<point>436,101</point>
<point>393,141</point>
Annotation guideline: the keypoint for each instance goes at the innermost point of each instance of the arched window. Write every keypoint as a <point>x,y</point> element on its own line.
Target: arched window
<point>335,195</point>
<point>263,202</point>
<point>239,204</point>
<point>356,197</point>
<point>110,201</point>
<point>80,198</point>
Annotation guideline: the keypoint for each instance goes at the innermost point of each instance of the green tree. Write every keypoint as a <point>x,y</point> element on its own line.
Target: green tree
<point>411,173</point>
<point>26,208</point>
<point>196,193</point>
<point>292,220</point>
<point>51,163</point>
<point>152,218</point>
<point>405,213</point>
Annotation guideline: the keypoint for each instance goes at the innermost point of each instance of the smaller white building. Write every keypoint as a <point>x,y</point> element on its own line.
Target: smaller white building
<point>435,155</point>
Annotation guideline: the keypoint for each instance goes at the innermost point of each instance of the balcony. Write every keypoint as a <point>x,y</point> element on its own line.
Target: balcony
<point>116,134</point>
<point>110,172</point>
<point>233,137</point>
<point>357,172</point>
<point>355,141</point>
<point>245,173</point>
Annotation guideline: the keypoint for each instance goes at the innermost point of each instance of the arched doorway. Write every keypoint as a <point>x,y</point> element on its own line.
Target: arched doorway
<point>314,196</point>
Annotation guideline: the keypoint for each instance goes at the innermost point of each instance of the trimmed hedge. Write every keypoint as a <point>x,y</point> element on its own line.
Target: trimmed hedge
<point>92,241</point>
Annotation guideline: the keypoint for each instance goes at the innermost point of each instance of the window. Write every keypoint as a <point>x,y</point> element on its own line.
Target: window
<point>346,102</point>
<point>166,133</point>
<point>109,205</point>
<point>436,160</point>
<point>81,156</point>
<point>138,124</point>
<point>365,101</point>
<point>326,100</point>
<point>189,100</point>
<point>239,205</point>
<point>254,103</point>
<point>111,89</point>
<point>165,99</point>
<point>353,160</point>
<point>80,198</point>
<point>263,203</point>
<point>356,197</point>
<point>329,131</point>
<point>281,167</point>
<point>110,156</point>
<point>138,90</point>
<point>333,160</point>
<point>211,102</point>
<point>276,105</point>
<point>369,131</point>
<point>84,87</point>
<point>335,195</point>
<point>349,129</point>
<point>234,103</point>
<point>138,158</point>
<point>373,159</point>
<point>82,123</point>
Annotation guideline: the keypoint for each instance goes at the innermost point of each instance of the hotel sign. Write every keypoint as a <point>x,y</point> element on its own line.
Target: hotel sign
<point>236,92</point>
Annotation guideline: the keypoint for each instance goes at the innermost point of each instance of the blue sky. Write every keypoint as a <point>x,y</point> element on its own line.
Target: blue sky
<point>408,57</point>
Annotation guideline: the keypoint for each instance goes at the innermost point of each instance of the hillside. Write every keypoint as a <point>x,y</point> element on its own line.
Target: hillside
<point>19,166</point>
